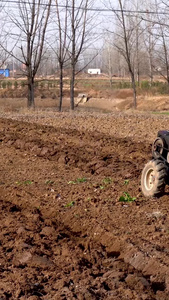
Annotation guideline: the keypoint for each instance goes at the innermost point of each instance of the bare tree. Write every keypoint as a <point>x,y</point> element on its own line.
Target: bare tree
<point>29,29</point>
<point>80,35</point>
<point>3,37</point>
<point>125,42</point>
<point>149,37</point>
<point>76,18</point>
<point>162,34</point>
<point>49,62</point>
<point>73,23</point>
<point>136,22</point>
<point>62,41</point>
<point>91,58</point>
<point>150,42</point>
<point>108,56</point>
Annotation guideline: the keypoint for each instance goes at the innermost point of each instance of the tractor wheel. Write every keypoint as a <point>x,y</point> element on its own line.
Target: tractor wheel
<point>153,178</point>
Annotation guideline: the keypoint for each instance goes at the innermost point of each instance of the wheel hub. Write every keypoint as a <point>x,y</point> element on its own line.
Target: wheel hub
<point>150,179</point>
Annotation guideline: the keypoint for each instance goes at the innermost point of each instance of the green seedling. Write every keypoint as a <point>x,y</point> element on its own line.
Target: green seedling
<point>127,198</point>
<point>26,182</point>
<point>126,182</point>
<point>72,182</point>
<point>49,182</point>
<point>107,180</point>
<point>101,187</point>
<point>78,180</point>
<point>70,204</point>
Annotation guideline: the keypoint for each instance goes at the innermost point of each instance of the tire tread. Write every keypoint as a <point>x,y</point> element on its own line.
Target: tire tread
<point>160,168</point>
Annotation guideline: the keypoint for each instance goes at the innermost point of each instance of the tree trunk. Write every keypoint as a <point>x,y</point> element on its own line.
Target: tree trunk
<point>168,81</point>
<point>150,54</point>
<point>72,83</point>
<point>134,90</point>
<point>151,67</point>
<point>61,87</point>
<point>138,75</point>
<point>111,81</point>
<point>151,74</point>
<point>137,53</point>
<point>31,101</point>
<point>128,55</point>
<point>72,80</point>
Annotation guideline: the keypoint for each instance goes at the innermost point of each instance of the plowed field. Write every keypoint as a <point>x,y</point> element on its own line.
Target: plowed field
<point>64,234</point>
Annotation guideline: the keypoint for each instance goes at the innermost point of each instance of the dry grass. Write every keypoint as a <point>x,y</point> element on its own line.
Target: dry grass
<point>118,100</point>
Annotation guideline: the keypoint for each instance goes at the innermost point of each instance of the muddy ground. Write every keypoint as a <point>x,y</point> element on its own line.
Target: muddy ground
<point>64,234</point>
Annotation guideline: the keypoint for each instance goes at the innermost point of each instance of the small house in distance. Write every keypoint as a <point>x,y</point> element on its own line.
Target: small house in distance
<point>94,71</point>
<point>4,73</point>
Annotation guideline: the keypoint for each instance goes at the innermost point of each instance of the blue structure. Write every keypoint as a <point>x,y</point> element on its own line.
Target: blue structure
<point>5,72</point>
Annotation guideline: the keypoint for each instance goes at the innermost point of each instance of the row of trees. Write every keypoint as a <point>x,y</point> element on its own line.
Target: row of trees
<point>135,38</point>
<point>142,38</point>
<point>34,26</point>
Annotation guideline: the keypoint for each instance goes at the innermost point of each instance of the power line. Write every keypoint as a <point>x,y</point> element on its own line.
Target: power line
<point>91,9</point>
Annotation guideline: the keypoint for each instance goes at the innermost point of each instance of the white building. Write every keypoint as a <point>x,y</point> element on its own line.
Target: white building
<point>94,71</point>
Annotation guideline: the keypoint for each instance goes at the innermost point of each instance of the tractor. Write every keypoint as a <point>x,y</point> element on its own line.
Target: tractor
<point>155,174</point>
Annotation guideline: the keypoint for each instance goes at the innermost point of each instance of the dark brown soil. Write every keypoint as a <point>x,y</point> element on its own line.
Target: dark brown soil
<point>63,232</point>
